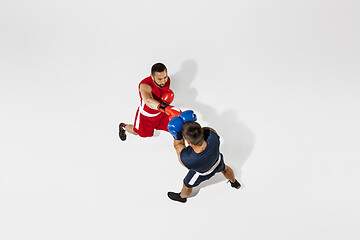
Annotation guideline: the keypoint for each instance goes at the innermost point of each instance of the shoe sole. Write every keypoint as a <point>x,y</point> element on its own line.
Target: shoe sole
<point>122,134</point>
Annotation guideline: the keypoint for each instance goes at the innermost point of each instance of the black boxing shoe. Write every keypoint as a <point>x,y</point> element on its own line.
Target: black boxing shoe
<point>235,184</point>
<point>122,133</point>
<point>176,197</point>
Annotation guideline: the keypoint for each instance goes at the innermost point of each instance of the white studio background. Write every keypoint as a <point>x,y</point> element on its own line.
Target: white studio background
<point>279,80</point>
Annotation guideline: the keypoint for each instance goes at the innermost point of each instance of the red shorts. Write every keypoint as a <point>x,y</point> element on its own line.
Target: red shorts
<point>144,126</point>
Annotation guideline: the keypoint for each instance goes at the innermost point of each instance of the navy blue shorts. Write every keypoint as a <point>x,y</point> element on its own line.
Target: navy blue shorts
<point>189,181</point>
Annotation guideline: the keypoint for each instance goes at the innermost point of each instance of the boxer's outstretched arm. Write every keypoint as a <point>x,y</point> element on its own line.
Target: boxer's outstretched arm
<point>146,94</point>
<point>179,145</point>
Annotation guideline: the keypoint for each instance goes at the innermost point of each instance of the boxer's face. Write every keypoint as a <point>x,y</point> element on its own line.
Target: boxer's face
<point>160,78</point>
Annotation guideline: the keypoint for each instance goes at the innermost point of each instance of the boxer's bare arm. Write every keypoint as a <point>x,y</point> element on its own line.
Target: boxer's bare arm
<point>179,145</point>
<point>146,94</point>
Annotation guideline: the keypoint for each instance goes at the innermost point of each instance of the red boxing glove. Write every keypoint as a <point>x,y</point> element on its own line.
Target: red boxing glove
<point>168,96</point>
<point>169,110</point>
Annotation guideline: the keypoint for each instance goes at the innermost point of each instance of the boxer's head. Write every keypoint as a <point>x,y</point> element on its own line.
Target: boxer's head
<point>159,74</point>
<point>193,133</point>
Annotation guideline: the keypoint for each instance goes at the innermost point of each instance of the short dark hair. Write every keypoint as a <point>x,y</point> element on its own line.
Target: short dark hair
<point>157,67</point>
<point>193,132</point>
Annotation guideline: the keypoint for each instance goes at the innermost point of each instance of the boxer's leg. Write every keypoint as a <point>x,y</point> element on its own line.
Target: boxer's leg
<point>185,192</point>
<point>130,129</point>
<point>123,128</point>
<point>229,174</point>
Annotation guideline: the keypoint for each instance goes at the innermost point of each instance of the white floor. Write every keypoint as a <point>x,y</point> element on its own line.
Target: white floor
<point>279,80</point>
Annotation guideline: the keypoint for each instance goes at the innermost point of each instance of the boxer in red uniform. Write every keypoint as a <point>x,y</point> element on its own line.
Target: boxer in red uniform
<point>154,111</point>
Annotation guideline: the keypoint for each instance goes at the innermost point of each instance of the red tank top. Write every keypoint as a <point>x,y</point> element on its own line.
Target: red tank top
<point>157,93</point>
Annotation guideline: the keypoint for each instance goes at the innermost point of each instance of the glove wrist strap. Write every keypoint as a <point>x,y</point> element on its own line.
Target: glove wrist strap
<point>162,106</point>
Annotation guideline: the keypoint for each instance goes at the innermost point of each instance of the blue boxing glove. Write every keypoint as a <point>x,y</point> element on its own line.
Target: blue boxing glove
<point>175,125</point>
<point>187,116</point>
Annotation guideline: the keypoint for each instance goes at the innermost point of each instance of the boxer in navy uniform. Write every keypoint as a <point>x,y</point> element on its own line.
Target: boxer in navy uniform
<point>202,157</point>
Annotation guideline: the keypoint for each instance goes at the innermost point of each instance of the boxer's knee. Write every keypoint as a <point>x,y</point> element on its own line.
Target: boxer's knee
<point>225,170</point>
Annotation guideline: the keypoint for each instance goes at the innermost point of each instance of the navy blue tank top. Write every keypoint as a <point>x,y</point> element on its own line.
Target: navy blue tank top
<point>202,162</point>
